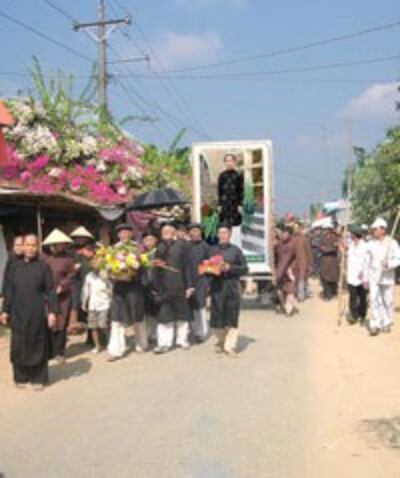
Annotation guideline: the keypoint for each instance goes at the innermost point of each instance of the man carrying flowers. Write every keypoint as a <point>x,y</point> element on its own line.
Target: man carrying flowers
<point>127,306</point>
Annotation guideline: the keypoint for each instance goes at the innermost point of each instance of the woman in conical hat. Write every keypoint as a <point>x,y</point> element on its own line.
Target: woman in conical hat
<point>63,270</point>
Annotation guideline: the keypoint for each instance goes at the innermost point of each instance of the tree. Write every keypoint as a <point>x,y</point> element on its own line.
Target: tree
<point>376,180</point>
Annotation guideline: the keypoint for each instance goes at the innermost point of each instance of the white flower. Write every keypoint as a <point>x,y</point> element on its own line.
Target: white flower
<point>89,145</point>
<point>73,149</point>
<point>101,166</point>
<point>39,140</point>
<point>133,173</point>
<point>122,190</point>
<point>55,172</point>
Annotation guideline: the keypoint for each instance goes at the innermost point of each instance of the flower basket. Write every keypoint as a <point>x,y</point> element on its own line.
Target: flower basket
<point>120,262</point>
<point>126,276</point>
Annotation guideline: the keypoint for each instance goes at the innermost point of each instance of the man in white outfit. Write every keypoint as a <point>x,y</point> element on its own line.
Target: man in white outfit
<point>356,257</point>
<point>382,258</point>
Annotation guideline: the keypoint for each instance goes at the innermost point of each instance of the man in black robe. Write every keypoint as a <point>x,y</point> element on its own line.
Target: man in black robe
<point>230,192</point>
<point>31,306</point>
<point>127,306</point>
<point>173,283</point>
<point>198,252</point>
<point>226,292</point>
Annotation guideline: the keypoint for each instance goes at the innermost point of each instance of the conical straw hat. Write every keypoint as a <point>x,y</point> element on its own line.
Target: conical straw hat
<point>56,237</point>
<point>81,231</point>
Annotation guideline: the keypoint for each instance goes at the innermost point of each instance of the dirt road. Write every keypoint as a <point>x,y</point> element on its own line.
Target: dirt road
<point>304,399</point>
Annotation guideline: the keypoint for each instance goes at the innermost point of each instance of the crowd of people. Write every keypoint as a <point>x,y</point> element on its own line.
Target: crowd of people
<point>50,293</point>
<point>56,288</point>
<point>363,258</point>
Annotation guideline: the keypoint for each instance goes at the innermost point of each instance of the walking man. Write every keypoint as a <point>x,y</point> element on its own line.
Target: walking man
<point>356,257</point>
<point>173,283</point>
<point>382,258</point>
<point>329,262</point>
<point>31,306</point>
<point>226,292</point>
<point>127,308</point>
<point>199,251</point>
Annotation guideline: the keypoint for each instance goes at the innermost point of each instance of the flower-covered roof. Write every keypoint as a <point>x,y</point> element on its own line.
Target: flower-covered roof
<point>46,156</point>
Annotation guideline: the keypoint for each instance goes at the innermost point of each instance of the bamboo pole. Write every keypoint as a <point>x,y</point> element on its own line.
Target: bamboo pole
<point>341,296</point>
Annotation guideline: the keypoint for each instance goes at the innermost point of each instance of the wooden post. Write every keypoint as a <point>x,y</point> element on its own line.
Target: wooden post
<point>341,296</point>
<point>39,226</point>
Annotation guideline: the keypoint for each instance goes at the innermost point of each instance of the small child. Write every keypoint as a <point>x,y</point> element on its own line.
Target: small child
<point>96,301</point>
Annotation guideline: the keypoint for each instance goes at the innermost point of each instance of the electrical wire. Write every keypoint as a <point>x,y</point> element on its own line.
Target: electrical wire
<point>166,83</point>
<point>294,49</point>
<point>44,36</point>
<point>256,74</point>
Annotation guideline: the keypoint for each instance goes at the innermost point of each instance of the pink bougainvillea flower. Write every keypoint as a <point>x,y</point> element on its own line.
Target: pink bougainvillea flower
<point>76,183</point>
<point>42,185</point>
<point>25,176</point>
<point>39,163</point>
<point>14,164</point>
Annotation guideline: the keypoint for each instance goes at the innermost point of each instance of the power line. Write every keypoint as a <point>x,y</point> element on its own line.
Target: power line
<point>170,86</point>
<point>122,85</point>
<point>254,75</point>
<point>44,36</point>
<point>272,80</point>
<point>294,49</point>
<point>166,83</point>
<point>60,10</point>
<point>156,105</point>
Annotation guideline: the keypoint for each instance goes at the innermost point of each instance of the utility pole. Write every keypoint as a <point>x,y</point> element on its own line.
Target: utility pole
<point>101,35</point>
<point>103,32</point>
<point>350,153</point>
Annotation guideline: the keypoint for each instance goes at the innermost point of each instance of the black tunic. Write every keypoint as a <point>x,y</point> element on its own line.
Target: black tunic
<point>172,285</point>
<point>230,196</point>
<point>127,305</point>
<point>225,289</point>
<point>198,252</point>
<point>29,296</point>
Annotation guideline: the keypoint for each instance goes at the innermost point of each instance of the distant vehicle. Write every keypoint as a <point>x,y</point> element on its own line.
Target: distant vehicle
<point>255,235</point>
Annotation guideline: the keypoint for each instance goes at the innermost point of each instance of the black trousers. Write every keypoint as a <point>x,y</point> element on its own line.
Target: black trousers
<point>330,289</point>
<point>357,302</point>
<point>58,343</point>
<point>38,374</point>
<point>225,305</point>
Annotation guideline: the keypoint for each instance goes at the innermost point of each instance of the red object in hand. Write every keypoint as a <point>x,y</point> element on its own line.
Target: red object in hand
<point>213,266</point>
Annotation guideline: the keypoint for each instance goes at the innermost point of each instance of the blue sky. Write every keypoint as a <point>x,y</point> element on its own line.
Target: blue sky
<point>304,113</point>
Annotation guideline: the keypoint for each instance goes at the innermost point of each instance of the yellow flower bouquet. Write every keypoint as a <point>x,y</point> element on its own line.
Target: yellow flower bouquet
<point>120,262</point>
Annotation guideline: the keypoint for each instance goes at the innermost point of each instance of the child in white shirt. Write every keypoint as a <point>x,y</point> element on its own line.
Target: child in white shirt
<point>96,301</point>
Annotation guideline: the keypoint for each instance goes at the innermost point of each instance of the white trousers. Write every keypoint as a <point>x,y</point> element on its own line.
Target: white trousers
<point>381,298</point>
<point>117,342</point>
<point>200,323</point>
<point>167,332</point>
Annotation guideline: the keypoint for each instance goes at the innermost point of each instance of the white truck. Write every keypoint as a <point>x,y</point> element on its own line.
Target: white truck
<point>255,235</point>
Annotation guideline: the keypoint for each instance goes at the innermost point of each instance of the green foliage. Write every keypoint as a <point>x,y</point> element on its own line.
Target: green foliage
<point>376,180</point>
<point>169,168</point>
